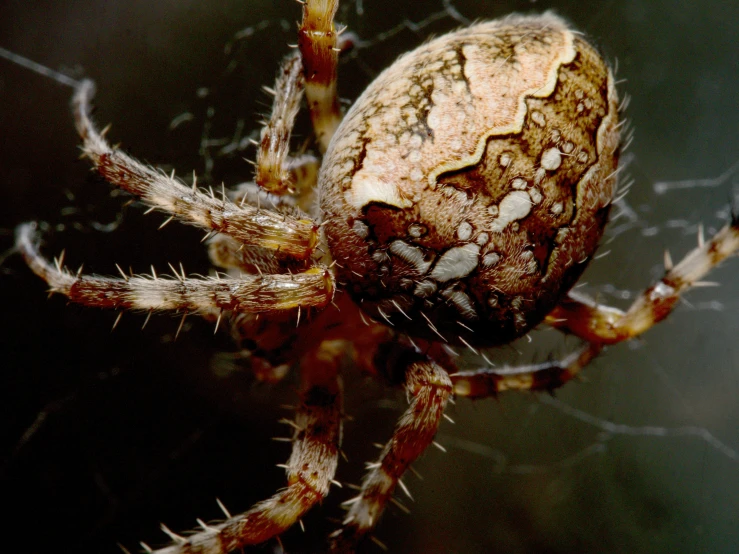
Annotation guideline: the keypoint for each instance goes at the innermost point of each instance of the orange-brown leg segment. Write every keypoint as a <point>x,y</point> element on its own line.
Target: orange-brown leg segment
<point>310,469</point>
<point>605,325</point>
<point>249,293</point>
<point>547,376</point>
<point>317,41</point>
<point>247,224</point>
<point>428,388</point>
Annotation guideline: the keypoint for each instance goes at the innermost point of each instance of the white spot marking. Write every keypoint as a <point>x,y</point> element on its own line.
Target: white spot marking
<point>461,301</point>
<point>557,208</point>
<point>464,231</point>
<point>489,260</point>
<point>456,263</point>
<point>516,205</point>
<point>535,196</point>
<point>551,159</point>
<point>538,118</point>
<point>424,289</point>
<point>416,230</point>
<point>413,255</point>
<point>380,256</point>
<point>519,183</point>
<point>360,229</point>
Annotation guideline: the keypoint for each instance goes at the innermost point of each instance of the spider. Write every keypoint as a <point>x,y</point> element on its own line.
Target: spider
<point>447,214</point>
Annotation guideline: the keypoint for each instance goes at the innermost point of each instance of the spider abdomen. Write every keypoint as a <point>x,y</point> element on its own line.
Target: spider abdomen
<point>468,186</point>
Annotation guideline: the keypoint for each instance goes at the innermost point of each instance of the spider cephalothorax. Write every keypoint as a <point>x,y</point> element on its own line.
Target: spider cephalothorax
<point>459,214</point>
<point>459,200</point>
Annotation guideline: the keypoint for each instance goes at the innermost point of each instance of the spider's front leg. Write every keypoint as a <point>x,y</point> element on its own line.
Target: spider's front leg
<point>318,43</point>
<point>314,70</point>
<point>276,172</point>
<point>249,293</point>
<point>249,225</point>
<point>428,388</point>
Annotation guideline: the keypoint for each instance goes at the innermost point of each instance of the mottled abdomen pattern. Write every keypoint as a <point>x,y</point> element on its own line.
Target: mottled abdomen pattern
<point>468,187</point>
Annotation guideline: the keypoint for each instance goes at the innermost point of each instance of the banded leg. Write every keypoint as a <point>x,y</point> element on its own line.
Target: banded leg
<point>297,237</point>
<point>250,293</point>
<point>274,146</point>
<point>428,388</point>
<point>547,376</point>
<point>310,469</point>
<point>606,325</point>
<point>317,41</point>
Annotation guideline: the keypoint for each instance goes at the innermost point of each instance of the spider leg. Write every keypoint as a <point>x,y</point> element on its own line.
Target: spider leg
<point>601,324</point>
<point>317,40</point>
<point>226,253</point>
<point>294,236</point>
<point>310,469</point>
<point>545,376</point>
<point>272,168</point>
<point>249,293</point>
<point>428,388</point>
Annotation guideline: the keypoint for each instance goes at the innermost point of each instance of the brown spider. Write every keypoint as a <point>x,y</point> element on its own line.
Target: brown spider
<point>450,212</point>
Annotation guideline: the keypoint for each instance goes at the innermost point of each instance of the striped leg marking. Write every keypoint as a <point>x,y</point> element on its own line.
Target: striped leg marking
<point>310,469</point>
<point>428,388</point>
<point>247,224</point>
<point>605,325</point>
<point>249,293</point>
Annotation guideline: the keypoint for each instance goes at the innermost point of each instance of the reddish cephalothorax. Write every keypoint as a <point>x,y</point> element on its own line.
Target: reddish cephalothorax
<point>459,200</point>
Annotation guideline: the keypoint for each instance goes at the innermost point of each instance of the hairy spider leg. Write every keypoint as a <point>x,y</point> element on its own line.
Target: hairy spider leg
<point>249,293</point>
<point>247,224</point>
<point>428,388</point>
<point>273,173</point>
<point>602,324</point>
<point>318,43</point>
<point>310,469</point>
<point>545,376</point>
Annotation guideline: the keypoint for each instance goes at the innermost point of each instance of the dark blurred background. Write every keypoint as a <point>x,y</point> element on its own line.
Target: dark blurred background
<point>104,435</point>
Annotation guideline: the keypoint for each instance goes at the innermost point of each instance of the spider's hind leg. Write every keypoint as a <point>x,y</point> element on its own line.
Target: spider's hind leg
<point>310,469</point>
<point>428,388</point>
<point>601,324</point>
<point>545,376</point>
